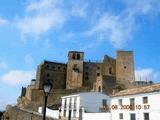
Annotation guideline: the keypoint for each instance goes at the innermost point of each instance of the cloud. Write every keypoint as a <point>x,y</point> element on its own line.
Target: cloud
<point>3,21</point>
<point>79,9</point>
<point>119,28</point>
<point>147,74</point>
<point>143,7</point>
<point>40,17</point>
<point>3,65</point>
<point>18,77</point>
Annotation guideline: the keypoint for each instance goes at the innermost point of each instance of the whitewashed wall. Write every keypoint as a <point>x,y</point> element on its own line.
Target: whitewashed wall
<point>50,113</point>
<point>96,116</point>
<point>93,101</point>
<point>153,101</point>
<point>90,101</point>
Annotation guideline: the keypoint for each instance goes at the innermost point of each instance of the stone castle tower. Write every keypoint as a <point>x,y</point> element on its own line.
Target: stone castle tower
<point>125,67</point>
<point>74,70</point>
<point>78,75</point>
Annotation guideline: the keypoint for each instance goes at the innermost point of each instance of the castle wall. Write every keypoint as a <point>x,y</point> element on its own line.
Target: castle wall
<point>15,113</point>
<point>53,72</point>
<point>92,70</point>
<point>109,66</point>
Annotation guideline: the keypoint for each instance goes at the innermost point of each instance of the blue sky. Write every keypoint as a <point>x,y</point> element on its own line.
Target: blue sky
<point>34,30</point>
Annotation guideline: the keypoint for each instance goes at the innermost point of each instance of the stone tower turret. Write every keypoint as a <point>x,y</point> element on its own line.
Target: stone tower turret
<point>74,70</point>
<point>125,68</point>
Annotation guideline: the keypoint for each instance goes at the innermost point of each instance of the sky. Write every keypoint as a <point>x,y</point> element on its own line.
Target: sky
<point>35,30</point>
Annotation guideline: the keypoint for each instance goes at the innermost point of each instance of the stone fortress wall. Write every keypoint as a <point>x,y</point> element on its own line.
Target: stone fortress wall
<point>78,75</point>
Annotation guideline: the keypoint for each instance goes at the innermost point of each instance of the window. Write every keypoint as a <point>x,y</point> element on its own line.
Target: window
<point>59,68</point>
<point>70,103</point>
<point>99,88</point>
<point>104,102</point>
<point>110,70</point>
<point>65,104</point>
<point>132,116</point>
<point>145,100</point>
<point>47,66</point>
<point>120,101</point>
<point>64,68</point>
<point>87,67</point>
<point>75,102</point>
<point>98,67</point>
<point>73,56</point>
<point>98,74</point>
<point>125,67</point>
<point>86,73</point>
<point>86,78</point>
<point>78,56</point>
<point>121,116</point>
<point>74,113</point>
<point>132,103</point>
<point>146,116</point>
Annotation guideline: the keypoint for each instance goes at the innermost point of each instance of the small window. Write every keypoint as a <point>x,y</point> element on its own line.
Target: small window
<point>87,67</point>
<point>98,74</point>
<point>73,56</point>
<point>120,101</point>
<point>110,70</point>
<point>99,89</point>
<point>125,67</point>
<point>86,73</point>
<point>104,102</point>
<point>121,116</point>
<point>47,66</point>
<point>145,100</point>
<point>78,56</point>
<point>146,116</point>
<point>86,78</point>
<point>59,68</point>
<point>65,104</point>
<point>98,68</point>
<point>75,102</point>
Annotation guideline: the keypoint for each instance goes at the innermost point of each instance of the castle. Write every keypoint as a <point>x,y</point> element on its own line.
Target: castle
<point>95,75</point>
<point>78,75</point>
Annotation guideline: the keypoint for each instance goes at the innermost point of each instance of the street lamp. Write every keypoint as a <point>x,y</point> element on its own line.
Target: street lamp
<point>47,88</point>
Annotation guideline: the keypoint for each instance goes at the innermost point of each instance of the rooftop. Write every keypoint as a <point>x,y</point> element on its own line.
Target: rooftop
<point>139,90</point>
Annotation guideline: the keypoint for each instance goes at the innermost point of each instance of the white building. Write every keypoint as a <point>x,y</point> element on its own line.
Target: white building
<point>141,103</point>
<point>137,104</point>
<point>91,102</point>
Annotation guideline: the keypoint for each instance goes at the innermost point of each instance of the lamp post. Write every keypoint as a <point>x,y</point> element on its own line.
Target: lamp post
<point>47,88</point>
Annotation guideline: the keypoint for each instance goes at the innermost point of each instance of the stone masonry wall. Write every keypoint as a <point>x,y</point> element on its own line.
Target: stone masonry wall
<point>15,113</point>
